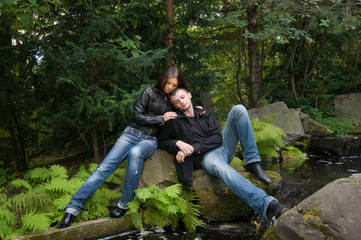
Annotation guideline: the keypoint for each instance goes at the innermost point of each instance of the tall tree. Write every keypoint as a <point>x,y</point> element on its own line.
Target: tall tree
<point>169,28</point>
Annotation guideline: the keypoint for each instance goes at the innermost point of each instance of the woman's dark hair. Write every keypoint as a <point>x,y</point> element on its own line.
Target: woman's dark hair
<point>170,73</point>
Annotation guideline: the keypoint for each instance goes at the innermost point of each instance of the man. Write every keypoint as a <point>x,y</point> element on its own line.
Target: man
<point>196,141</point>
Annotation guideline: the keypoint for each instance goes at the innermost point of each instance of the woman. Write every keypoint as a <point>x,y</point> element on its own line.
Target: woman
<point>137,143</point>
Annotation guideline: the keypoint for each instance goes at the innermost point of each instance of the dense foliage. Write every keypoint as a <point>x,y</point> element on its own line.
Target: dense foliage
<point>72,70</point>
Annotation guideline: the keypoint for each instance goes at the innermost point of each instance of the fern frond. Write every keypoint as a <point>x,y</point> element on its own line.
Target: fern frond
<point>174,190</point>
<point>111,194</point>
<point>40,173</point>
<point>30,200</point>
<point>61,202</point>
<point>134,206</point>
<point>191,222</point>
<point>6,215</point>
<point>74,185</point>
<point>144,193</point>
<point>58,171</point>
<point>82,174</point>
<point>162,197</point>
<point>21,183</point>
<point>6,231</point>
<point>32,221</point>
<point>172,209</point>
<point>154,218</point>
<point>269,151</point>
<point>136,219</point>
<point>92,167</point>
<point>182,205</point>
<point>58,185</point>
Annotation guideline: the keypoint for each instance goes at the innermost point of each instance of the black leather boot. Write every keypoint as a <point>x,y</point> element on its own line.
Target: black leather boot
<point>275,209</point>
<point>67,219</point>
<point>261,174</point>
<point>117,212</point>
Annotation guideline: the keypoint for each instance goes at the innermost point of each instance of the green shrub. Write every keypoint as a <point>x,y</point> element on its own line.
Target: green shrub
<point>339,125</point>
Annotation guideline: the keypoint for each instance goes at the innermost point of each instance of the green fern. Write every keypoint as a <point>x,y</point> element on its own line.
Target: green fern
<point>45,193</point>
<point>268,138</point>
<point>41,174</point>
<point>157,207</point>
<point>6,231</point>
<point>32,221</point>
<point>58,172</point>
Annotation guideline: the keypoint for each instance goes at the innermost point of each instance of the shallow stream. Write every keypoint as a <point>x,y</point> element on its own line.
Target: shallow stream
<point>298,183</point>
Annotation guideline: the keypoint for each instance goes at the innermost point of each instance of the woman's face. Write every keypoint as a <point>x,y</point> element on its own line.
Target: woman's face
<point>170,85</point>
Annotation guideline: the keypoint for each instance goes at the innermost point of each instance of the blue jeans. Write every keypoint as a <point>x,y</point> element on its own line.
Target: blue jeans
<point>216,162</point>
<point>133,145</point>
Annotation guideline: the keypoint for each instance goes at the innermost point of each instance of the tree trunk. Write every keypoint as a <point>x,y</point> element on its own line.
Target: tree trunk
<point>169,37</point>
<point>253,58</point>
<point>95,145</point>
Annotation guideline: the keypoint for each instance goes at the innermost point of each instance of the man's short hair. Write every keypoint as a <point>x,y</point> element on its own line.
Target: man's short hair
<point>172,93</point>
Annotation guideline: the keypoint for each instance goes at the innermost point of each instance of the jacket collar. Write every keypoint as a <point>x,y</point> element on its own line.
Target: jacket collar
<point>197,112</point>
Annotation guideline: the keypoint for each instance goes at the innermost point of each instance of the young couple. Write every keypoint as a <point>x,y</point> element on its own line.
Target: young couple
<point>192,135</point>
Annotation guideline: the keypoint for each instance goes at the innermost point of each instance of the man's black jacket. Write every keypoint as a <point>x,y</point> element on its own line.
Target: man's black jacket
<point>180,128</point>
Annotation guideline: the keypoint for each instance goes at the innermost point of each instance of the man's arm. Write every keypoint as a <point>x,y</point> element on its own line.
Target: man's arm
<point>166,139</point>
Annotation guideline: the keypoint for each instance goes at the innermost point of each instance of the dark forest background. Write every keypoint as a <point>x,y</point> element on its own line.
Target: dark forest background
<point>71,71</point>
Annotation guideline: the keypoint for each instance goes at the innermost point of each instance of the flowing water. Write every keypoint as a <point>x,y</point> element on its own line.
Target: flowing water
<point>298,183</point>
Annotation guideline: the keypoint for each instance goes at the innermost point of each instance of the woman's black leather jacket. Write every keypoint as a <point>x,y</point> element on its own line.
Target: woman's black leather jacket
<point>149,110</point>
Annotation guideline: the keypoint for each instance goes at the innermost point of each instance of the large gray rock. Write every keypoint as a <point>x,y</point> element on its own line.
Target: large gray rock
<point>159,170</point>
<point>293,122</point>
<point>333,212</point>
<point>349,105</point>
<point>217,202</point>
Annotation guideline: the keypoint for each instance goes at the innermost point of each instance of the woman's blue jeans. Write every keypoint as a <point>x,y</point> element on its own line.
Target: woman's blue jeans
<point>216,162</point>
<point>133,145</point>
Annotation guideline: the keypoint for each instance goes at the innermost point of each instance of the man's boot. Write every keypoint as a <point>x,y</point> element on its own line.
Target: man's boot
<point>261,174</point>
<point>275,209</point>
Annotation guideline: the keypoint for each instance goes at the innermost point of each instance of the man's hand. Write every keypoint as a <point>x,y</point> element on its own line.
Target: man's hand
<point>180,157</point>
<point>185,148</point>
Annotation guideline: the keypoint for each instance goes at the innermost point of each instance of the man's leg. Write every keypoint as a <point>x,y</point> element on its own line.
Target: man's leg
<point>215,163</point>
<point>144,149</point>
<point>116,155</point>
<point>239,129</point>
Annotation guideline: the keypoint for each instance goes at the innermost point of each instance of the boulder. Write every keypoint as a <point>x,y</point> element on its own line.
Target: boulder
<point>349,105</point>
<point>159,169</point>
<point>333,212</point>
<point>293,122</point>
<point>335,146</point>
<point>217,202</point>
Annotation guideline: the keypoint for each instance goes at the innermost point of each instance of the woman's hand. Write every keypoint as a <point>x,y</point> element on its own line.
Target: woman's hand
<point>169,115</point>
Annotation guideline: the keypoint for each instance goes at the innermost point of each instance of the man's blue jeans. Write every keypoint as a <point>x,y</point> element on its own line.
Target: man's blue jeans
<point>216,162</point>
<point>133,145</point>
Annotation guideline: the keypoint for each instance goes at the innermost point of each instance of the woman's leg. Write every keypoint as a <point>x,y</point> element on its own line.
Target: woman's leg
<point>145,148</point>
<point>116,155</point>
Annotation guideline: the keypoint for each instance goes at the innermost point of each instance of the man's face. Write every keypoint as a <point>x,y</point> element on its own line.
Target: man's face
<point>181,100</point>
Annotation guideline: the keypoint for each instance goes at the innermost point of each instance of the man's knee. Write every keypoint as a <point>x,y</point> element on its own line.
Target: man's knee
<point>239,109</point>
